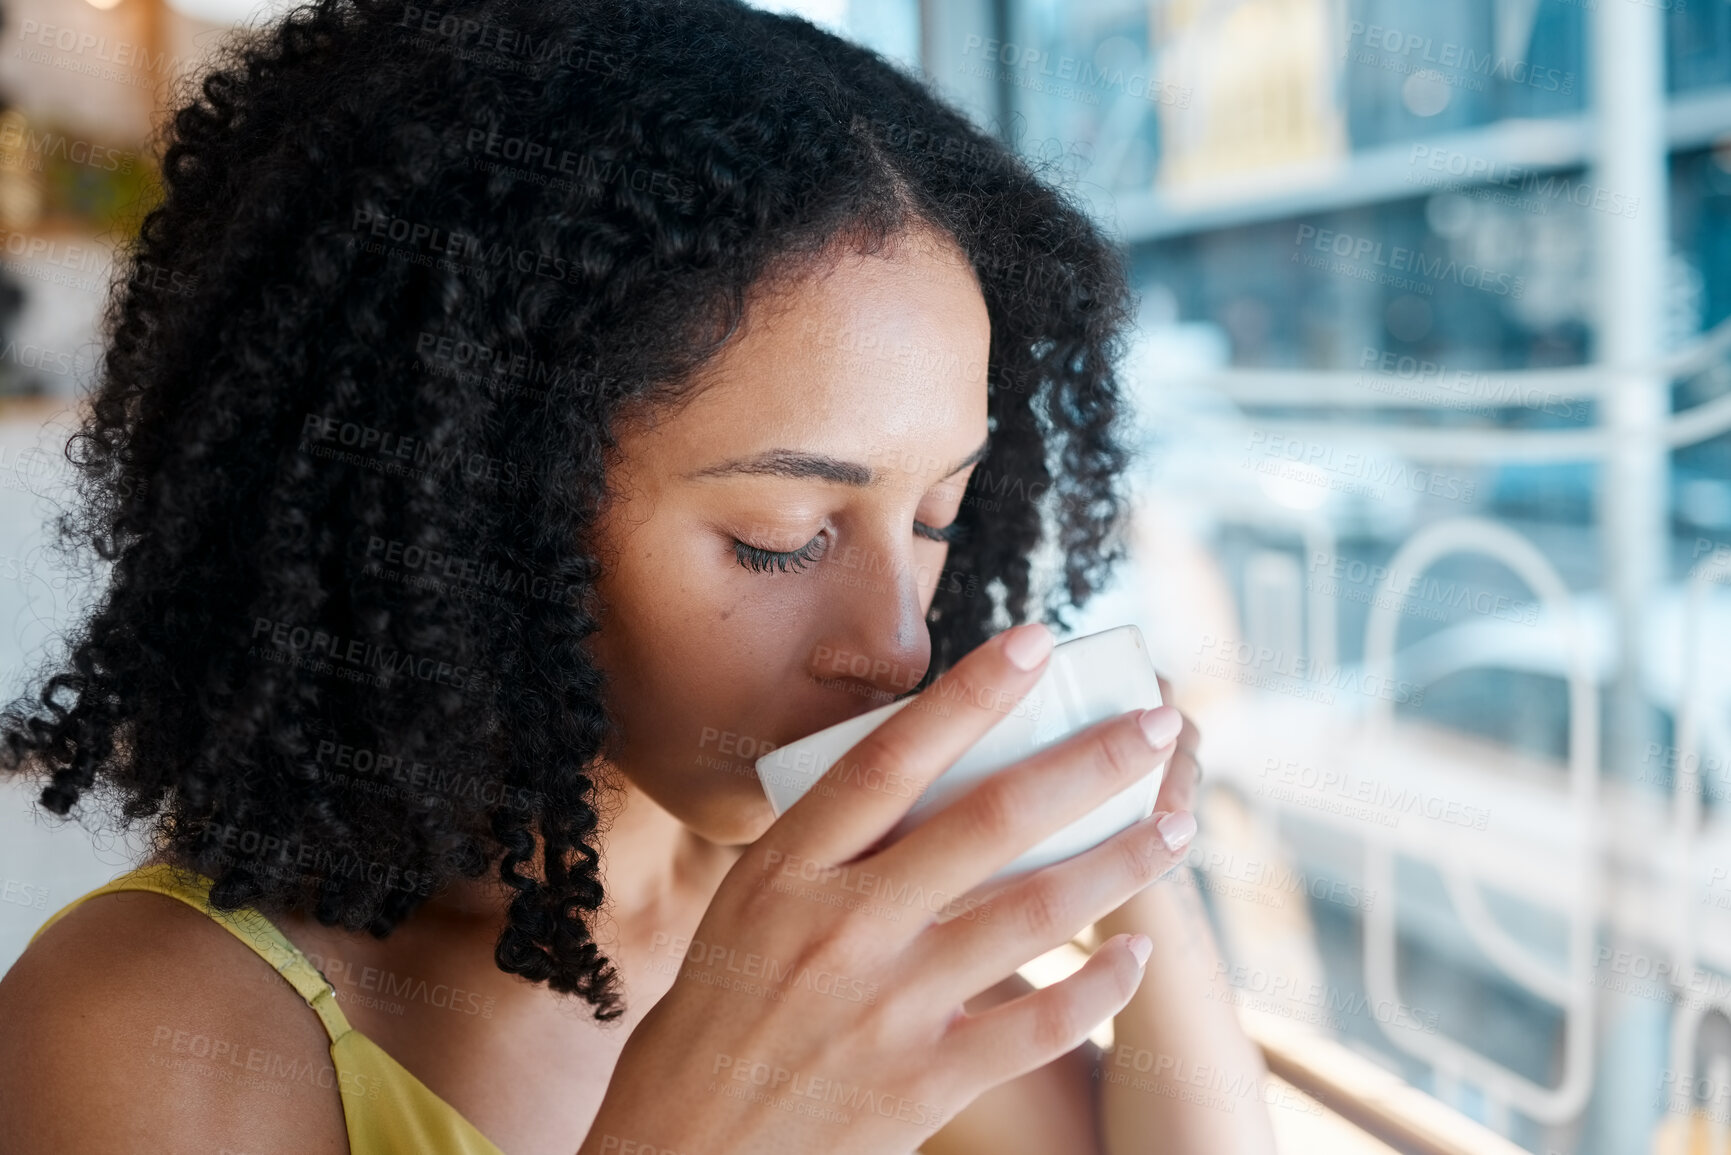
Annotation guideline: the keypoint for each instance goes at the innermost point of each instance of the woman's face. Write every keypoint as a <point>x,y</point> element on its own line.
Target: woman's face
<point>842,419</point>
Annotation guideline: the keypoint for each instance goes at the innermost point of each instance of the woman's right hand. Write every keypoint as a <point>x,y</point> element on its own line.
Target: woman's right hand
<point>863,1045</point>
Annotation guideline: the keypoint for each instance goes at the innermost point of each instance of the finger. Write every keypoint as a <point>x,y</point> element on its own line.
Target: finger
<point>1178,788</point>
<point>1045,908</point>
<point>1189,738</point>
<point>966,841</point>
<point>1028,1032</point>
<point>870,788</point>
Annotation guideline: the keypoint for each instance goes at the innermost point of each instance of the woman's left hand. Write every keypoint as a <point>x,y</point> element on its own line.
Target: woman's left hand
<point>1180,787</point>
<point>1054,1108</point>
<point>1183,1013</point>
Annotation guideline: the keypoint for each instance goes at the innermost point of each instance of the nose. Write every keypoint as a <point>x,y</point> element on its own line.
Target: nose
<point>875,642</point>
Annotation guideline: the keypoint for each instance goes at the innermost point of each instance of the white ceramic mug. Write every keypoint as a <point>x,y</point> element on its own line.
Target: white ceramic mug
<point>1086,680</point>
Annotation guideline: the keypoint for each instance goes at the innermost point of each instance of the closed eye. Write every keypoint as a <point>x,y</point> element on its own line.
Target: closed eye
<point>952,532</point>
<point>763,560</point>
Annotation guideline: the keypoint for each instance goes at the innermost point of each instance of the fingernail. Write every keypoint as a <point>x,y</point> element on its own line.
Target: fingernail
<point>1177,829</point>
<point>1141,946</point>
<point>1027,646</point>
<point>1161,724</point>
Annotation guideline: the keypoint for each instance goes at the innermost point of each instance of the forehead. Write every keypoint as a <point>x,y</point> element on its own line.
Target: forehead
<point>864,357</point>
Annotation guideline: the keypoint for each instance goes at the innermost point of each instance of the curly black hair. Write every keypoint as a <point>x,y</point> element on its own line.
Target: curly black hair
<point>364,362</point>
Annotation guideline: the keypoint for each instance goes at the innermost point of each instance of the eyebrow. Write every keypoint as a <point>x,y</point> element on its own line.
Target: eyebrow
<point>791,463</point>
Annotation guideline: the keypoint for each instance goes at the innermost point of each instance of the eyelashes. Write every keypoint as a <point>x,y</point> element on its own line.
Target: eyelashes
<point>764,560</point>
<point>952,532</point>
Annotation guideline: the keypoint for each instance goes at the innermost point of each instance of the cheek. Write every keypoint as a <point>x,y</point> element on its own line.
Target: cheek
<point>681,656</point>
<point>658,585</point>
<point>688,630</point>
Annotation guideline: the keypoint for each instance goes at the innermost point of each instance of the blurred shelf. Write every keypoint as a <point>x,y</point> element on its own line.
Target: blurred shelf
<point>1371,1103</point>
<point>1389,172</point>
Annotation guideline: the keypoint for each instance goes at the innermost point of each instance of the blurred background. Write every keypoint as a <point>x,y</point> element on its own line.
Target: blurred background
<point>1433,375</point>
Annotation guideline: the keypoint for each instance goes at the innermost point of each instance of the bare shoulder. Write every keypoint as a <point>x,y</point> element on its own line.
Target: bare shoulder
<point>136,1019</point>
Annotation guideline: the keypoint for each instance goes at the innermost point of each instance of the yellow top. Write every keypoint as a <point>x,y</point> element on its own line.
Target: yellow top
<point>386,1109</point>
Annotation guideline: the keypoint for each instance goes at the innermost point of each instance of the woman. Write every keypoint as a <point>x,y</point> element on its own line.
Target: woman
<point>516,418</point>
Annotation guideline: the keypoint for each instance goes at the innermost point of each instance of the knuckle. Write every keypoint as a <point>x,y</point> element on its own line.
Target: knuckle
<point>751,889</point>
<point>879,751</point>
<point>996,809</point>
<point>1124,760</point>
<point>1145,858</point>
<point>766,906</point>
<point>899,1015</point>
<point>1042,910</point>
<point>841,947</point>
<point>1054,1027</point>
<point>753,901</point>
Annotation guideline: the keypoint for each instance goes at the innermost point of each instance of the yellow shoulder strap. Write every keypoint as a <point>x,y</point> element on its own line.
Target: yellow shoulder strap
<point>246,924</point>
